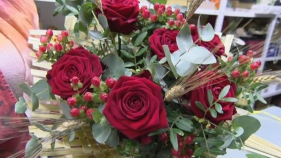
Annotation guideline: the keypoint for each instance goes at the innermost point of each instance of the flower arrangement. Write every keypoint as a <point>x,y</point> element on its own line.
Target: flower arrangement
<point>150,85</point>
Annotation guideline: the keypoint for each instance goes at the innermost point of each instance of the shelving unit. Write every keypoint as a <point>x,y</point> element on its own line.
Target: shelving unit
<point>222,13</point>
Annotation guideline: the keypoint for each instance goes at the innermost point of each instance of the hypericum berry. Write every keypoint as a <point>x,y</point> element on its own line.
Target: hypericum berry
<point>71,43</point>
<point>143,8</point>
<point>146,14</point>
<point>38,54</point>
<point>185,156</point>
<point>74,112</point>
<point>169,8</point>
<point>163,137</point>
<point>254,66</point>
<point>49,46</point>
<point>258,62</point>
<point>58,47</point>
<point>89,113</point>
<point>171,22</point>
<point>104,97</point>
<point>178,23</point>
<point>189,152</point>
<point>43,39</point>
<point>153,18</point>
<point>250,53</point>
<point>74,80</point>
<point>71,101</point>
<point>95,81</point>
<point>235,74</point>
<point>169,12</point>
<point>59,38</point>
<point>42,49</point>
<point>243,59</point>
<point>193,29</point>
<point>229,59</point>
<point>189,139</point>
<point>183,21</point>
<point>64,33</point>
<point>88,96</point>
<point>245,74</point>
<point>163,7</point>
<point>83,108</point>
<point>177,11</point>
<point>179,16</point>
<point>110,82</point>
<point>181,143</point>
<point>156,6</point>
<point>160,11</point>
<point>49,33</point>
<point>175,153</point>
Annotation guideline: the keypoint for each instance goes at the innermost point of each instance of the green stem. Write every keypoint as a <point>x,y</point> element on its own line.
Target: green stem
<point>119,44</point>
<point>205,139</point>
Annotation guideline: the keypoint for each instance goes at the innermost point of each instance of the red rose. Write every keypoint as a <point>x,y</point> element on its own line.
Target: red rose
<point>215,45</point>
<point>201,94</point>
<point>135,107</point>
<point>77,62</point>
<point>121,15</point>
<point>162,37</point>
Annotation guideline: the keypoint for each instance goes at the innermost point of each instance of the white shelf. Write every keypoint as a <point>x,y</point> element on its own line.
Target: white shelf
<point>207,11</point>
<point>247,14</point>
<point>272,58</point>
<point>272,90</point>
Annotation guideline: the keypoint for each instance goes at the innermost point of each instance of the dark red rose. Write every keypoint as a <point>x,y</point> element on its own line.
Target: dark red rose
<point>162,37</point>
<point>145,74</point>
<point>135,107</point>
<point>77,62</point>
<point>201,94</point>
<point>121,15</point>
<point>215,45</point>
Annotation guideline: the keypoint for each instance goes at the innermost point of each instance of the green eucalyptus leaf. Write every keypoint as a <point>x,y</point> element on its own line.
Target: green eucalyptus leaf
<point>72,9</point>
<point>20,106</point>
<point>42,127</point>
<point>65,109</point>
<point>141,51</point>
<point>129,64</point>
<point>163,60</point>
<point>200,106</point>
<point>168,57</point>
<point>25,88</point>
<point>140,38</point>
<point>103,21</point>
<point>199,55</point>
<point>260,98</point>
<point>41,89</point>
<point>71,136</point>
<point>51,93</point>
<point>158,132</point>
<point>248,123</point>
<point>239,131</point>
<point>115,64</point>
<point>32,147</point>
<point>218,108</point>
<point>96,35</point>
<point>213,113</point>
<point>101,132</point>
<point>113,139</point>
<point>210,97</point>
<point>207,33</point>
<point>251,98</point>
<point>85,13</point>
<point>127,54</point>
<point>184,39</point>
<point>82,27</point>
<point>160,72</point>
<point>58,10</point>
<point>174,139</point>
<point>34,101</point>
<point>230,99</point>
<point>224,92</point>
<point>199,151</point>
<point>153,59</point>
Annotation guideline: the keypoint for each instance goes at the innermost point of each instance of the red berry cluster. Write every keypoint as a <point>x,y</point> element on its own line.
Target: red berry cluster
<point>174,19</point>
<point>82,106</point>
<point>246,66</point>
<point>51,50</point>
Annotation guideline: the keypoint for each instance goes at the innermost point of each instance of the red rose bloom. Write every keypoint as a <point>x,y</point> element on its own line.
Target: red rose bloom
<point>121,15</point>
<point>77,62</point>
<point>201,94</point>
<point>135,107</point>
<point>215,45</point>
<point>162,37</point>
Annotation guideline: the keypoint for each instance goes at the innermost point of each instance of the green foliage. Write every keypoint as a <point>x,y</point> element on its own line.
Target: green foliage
<point>65,109</point>
<point>34,101</point>
<point>140,39</point>
<point>199,55</point>
<point>210,97</point>
<point>25,88</point>
<point>20,106</point>
<point>158,132</point>
<point>101,132</point>
<point>249,124</point>
<point>33,146</point>
<point>218,108</point>
<point>42,90</point>
<point>200,106</point>
<point>96,35</point>
<point>169,60</point>
<point>230,99</point>
<point>103,21</point>
<point>255,156</point>
<point>159,72</point>
<point>174,139</point>
<point>213,113</point>
<point>85,13</point>
<point>97,116</point>
<point>206,33</point>
<point>42,127</point>
<point>115,64</point>
<point>113,139</point>
<point>71,136</point>
<point>184,124</point>
<point>224,92</point>
<point>159,1</point>
<point>199,151</point>
<point>184,39</point>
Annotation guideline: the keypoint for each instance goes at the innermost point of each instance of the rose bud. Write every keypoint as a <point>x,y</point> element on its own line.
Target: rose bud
<point>177,11</point>
<point>49,33</point>
<point>104,97</point>
<point>59,38</point>
<point>171,22</point>
<point>110,82</point>
<point>49,46</point>
<point>169,12</point>
<point>250,53</point>
<point>245,74</point>
<point>153,18</point>
<point>143,8</point>
<point>43,39</point>
<point>179,16</point>
<point>42,49</point>
<point>160,11</point>
<point>229,59</point>
<point>74,112</point>
<point>83,108</point>
<point>258,62</point>
<point>58,47</point>
<point>74,80</point>
<point>89,113</point>
<point>243,59</point>
<point>235,74</point>
<point>38,54</point>
<point>163,7</point>
<point>163,137</point>
<point>88,96</point>
<point>71,101</point>
<point>71,43</point>
<point>156,6</point>
<point>254,66</point>
<point>146,14</point>
<point>178,23</point>
<point>189,139</point>
<point>95,81</point>
<point>64,33</point>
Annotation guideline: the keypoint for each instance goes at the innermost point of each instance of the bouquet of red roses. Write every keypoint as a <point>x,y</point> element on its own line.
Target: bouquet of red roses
<point>150,84</point>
